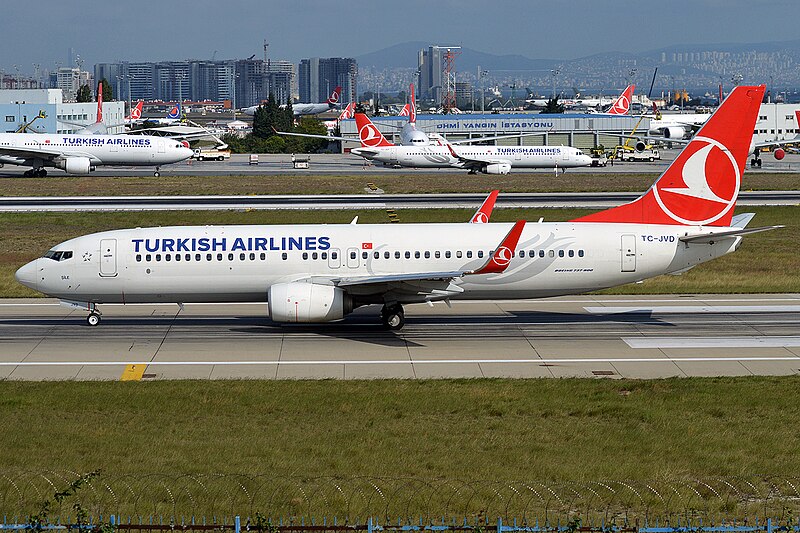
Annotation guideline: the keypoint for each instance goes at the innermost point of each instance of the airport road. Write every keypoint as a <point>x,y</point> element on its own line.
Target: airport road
<point>349,164</point>
<point>12,204</point>
<point>587,336</point>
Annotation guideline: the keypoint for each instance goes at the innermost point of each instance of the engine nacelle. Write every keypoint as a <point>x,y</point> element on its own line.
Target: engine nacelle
<point>674,132</point>
<point>640,146</point>
<point>779,153</point>
<point>75,165</point>
<point>497,168</point>
<point>307,302</point>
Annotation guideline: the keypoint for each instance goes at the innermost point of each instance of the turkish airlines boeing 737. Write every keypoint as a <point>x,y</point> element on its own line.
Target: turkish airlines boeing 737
<point>320,273</point>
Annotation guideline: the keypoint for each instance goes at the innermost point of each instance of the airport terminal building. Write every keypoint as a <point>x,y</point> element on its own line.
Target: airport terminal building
<point>20,107</point>
<point>583,131</point>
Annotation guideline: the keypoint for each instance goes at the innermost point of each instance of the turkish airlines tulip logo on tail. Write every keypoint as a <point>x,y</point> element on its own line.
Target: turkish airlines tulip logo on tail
<point>704,187</point>
<point>370,135</point>
<point>621,106</point>
<point>480,218</point>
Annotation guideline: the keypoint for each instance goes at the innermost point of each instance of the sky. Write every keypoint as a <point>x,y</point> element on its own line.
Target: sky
<point>148,30</point>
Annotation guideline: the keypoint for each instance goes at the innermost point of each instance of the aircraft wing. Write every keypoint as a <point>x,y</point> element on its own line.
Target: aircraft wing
<point>42,152</point>
<point>435,283</point>
<point>767,144</point>
<point>474,162</point>
<point>313,136</point>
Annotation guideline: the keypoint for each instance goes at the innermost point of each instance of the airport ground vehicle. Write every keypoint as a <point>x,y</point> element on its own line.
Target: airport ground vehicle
<point>211,154</point>
<point>648,154</point>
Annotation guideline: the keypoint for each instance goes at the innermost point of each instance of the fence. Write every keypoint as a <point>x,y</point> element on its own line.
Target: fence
<point>322,501</point>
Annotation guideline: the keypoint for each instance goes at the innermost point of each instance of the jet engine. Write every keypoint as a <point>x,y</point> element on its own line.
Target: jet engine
<point>640,146</point>
<point>307,302</point>
<point>674,132</point>
<point>779,153</point>
<point>75,165</point>
<point>497,168</point>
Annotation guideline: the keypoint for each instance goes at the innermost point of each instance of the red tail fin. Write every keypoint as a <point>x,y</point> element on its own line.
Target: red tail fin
<point>623,104</point>
<point>405,111</point>
<point>333,99</point>
<point>483,214</point>
<point>136,112</point>
<point>700,187</point>
<point>368,133</point>
<point>412,108</point>
<point>99,102</point>
<point>347,112</point>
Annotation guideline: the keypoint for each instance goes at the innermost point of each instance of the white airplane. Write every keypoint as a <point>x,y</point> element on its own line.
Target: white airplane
<point>81,154</point>
<point>591,102</point>
<point>347,112</point>
<point>175,114</point>
<point>485,159</point>
<point>307,109</point>
<point>321,272</point>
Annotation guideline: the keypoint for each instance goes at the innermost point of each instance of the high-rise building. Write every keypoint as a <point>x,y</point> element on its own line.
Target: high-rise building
<point>247,81</point>
<point>319,76</point>
<point>429,66</point>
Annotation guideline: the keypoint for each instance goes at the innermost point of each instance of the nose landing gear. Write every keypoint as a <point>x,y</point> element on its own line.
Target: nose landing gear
<point>94,315</point>
<point>156,174</point>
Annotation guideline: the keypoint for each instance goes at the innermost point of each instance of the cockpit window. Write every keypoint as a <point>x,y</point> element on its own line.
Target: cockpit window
<point>58,255</point>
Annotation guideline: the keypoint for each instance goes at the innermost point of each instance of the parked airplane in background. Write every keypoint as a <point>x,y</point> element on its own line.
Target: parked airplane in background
<point>320,273</point>
<point>80,154</point>
<point>136,113</point>
<point>175,114</point>
<point>347,112</point>
<point>484,159</point>
<point>622,105</point>
<point>99,127</point>
<point>570,103</point>
<point>307,109</point>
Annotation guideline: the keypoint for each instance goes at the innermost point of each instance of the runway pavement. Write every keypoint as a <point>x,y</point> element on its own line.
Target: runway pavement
<point>587,336</point>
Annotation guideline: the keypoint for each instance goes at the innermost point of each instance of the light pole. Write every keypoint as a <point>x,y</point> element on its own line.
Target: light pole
<point>555,72</point>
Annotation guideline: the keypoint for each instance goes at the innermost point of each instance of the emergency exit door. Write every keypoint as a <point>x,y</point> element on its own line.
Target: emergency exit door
<point>108,257</point>
<point>628,253</point>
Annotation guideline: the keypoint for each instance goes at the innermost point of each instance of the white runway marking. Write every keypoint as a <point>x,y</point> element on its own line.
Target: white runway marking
<point>409,362</point>
<point>695,309</point>
<point>713,342</point>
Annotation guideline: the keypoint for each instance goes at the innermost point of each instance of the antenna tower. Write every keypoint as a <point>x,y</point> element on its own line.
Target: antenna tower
<point>449,74</point>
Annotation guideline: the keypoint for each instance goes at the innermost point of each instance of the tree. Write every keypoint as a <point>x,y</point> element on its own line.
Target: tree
<point>84,94</point>
<point>108,91</point>
<point>553,107</point>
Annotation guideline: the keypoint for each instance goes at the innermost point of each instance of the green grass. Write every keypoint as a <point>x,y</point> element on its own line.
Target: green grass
<point>390,182</point>
<point>766,262</point>
<point>484,431</point>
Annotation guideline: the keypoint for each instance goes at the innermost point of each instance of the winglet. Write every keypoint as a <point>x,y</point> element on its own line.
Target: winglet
<point>483,214</point>
<point>501,257</point>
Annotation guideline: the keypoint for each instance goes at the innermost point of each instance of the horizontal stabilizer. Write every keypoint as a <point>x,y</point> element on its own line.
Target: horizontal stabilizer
<point>710,238</point>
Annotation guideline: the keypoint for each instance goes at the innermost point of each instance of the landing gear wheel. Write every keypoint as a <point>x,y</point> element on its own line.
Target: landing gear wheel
<point>43,173</point>
<point>393,318</point>
<point>28,174</point>
<point>156,174</point>
<point>93,319</point>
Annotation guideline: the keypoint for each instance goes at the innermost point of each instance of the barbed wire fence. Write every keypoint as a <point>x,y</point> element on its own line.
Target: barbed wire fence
<point>216,497</point>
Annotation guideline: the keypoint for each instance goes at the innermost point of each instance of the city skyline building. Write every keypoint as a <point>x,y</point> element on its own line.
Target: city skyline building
<point>317,77</point>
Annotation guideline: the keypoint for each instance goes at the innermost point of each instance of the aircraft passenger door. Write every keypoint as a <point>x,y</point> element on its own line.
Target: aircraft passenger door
<point>564,154</point>
<point>161,146</point>
<point>628,251</point>
<point>353,259</point>
<point>108,257</point>
<point>393,155</point>
<point>334,258</point>
<point>518,154</point>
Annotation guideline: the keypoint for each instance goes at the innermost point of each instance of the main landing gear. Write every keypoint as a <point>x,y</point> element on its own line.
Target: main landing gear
<point>393,317</point>
<point>94,315</point>
<point>35,173</point>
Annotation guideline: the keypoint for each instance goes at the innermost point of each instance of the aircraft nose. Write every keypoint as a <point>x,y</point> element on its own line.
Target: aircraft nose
<point>28,275</point>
